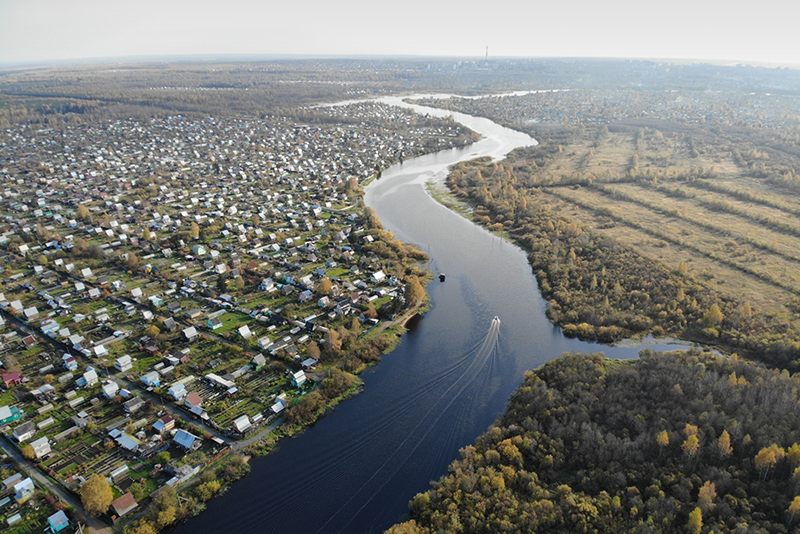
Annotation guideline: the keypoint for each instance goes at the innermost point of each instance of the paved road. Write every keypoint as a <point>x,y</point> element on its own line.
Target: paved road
<point>92,522</point>
<point>239,445</point>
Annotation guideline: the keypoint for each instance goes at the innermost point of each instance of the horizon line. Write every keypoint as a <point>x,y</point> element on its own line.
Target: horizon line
<point>245,57</point>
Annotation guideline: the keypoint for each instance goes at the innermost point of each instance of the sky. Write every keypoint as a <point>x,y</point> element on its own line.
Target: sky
<point>753,32</point>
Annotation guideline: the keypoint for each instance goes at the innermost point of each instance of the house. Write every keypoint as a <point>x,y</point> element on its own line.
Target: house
<point>30,313</point>
<point>23,490</point>
<point>110,389</point>
<point>124,363</point>
<point>49,327</point>
<point>258,361</point>
<point>164,424</point>
<point>267,285</point>
<point>25,431</point>
<point>11,379</point>
<point>29,341</point>
<point>194,313</point>
<point>177,391</point>
<point>123,505</point>
<point>245,332</point>
<point>242,424</point>
<point>94,293</point>
<point>90,377</point>
<point>127,442</point>
<point>136,292</point>
<point>214,323</point>
<point>133,405</point>
<point>190,333</point>
<point>264,343</point>
<point>298,379</point>
<point>9,414</point>
<point>169,324</point>
<point>306,295</point>
<point>41,447</point>
<point>186,440</point>
<point>58,522</point>
<point>193,400</point>
<point>151,379</point>
<point>70,362</point>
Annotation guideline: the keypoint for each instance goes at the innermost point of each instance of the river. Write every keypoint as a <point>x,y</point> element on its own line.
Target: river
<point>356,469</point>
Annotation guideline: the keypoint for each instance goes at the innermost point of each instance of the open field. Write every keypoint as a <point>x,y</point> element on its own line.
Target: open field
<point>695,192</point>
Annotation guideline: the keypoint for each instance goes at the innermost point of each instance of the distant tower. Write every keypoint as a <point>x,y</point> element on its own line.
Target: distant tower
<point>487,56</point>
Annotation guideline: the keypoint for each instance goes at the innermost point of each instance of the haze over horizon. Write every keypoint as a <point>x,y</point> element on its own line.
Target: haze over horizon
<point>55,30</point>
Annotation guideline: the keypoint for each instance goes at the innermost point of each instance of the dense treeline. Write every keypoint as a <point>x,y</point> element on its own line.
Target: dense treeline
<point>671,442</point>
<point>600,289</point>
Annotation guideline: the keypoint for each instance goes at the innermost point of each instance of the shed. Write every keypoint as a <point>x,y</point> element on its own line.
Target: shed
<point>58,521</point>
<point>242,424</point>
<point>124,505</point>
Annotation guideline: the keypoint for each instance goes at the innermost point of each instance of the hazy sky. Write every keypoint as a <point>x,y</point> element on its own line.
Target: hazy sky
<point>762,31</point>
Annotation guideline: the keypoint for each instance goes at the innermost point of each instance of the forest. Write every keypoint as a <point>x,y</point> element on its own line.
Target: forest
<point>672,442</point>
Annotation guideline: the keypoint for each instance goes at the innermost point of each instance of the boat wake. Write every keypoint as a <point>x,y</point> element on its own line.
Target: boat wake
<point>441,393</point>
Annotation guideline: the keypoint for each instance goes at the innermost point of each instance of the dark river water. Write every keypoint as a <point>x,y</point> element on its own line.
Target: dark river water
<point>357,468</point>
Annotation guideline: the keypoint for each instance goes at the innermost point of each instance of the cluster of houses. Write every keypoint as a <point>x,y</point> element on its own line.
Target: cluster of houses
<point>131,251</point>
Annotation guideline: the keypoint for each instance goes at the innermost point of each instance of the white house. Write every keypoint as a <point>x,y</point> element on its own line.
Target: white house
<point>190,333</point>
<point>90,377</point>
<point>41,447</point>
<point>124,363</point>
<point>151,379</point>
<point>110,389</point>
<point>177,391</point>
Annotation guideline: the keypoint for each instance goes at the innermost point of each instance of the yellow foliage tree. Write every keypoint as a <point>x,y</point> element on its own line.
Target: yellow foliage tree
<point>695,524</point>
<point>96,494</point>
<point>691,446</point>
<point>724,444</point>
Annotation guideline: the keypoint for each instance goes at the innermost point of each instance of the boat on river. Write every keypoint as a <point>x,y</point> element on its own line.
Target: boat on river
<point>441,277</point>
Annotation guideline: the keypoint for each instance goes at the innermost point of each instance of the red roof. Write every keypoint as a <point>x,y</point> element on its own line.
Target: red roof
<point>11,378</point>
<point>124,504</point>
<point>194,399</point>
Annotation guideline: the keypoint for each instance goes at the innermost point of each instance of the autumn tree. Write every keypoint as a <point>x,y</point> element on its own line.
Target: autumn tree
<point>96,494</point>
<point>724,444</point>
<point>695,524</point>
<point>691,446</point>
<point>663,441</point>
<point>195,231</point>
<point>312,350</point>
<point>706,495</point>
<point>713,316</point>
<point>793,455</point>
<point>415,293</point>
<point>767,458</point>
<point>325,286</point>
<point>27,452</point>
<point>142,526</point>
<point>152,331</point>
<point>334,343</point>
<point>83,213</point>
<point>793,509</point>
